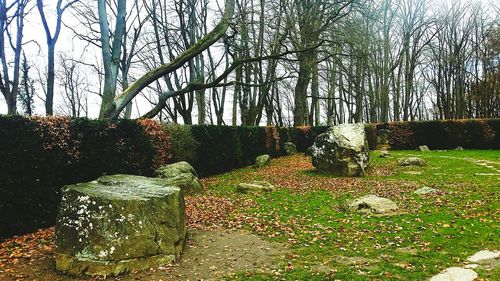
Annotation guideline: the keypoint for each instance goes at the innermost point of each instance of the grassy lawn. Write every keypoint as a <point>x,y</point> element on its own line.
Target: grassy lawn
<point>427,235</point>
<point>302,230</point>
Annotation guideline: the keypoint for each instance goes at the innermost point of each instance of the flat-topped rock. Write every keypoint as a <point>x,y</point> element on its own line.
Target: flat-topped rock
<point>373,204</point>
<point>182,175</point>
<point>455,274</point>
<point>425,190</point>
<point>411,161</point>
<point>484,255</point>
<point>384,154</point>
<point>413,173</point>
<point>117,224</point>
<point>255,187</point>
<point>423,148</point>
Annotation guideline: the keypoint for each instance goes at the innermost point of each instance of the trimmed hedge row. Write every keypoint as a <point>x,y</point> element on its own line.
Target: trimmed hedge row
<point>478,133</point>
<point>40,155</point>
<point>304,137</point>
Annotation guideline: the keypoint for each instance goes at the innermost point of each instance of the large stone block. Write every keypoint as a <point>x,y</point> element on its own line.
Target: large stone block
<point>118,224</point>
<point>342,150</point>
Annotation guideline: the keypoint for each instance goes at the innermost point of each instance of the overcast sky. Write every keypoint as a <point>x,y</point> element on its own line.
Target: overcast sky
<point>36,54</point>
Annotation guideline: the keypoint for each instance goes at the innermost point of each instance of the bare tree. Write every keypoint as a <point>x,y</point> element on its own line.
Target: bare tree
<point>11,33</point>
<point>111,46</point>
<point>75,86</point>
<point>51,45</point>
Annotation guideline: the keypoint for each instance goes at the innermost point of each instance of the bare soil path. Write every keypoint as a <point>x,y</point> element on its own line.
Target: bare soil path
<point>209,255</point>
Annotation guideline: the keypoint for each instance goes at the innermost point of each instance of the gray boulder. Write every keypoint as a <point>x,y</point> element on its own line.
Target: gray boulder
<point>384,154</point>
<point>411,161</point>
<point>187,182</point>
<point>262,160</point>
<point>255,187</point>
<point>425,190</point>
<point>180,174</point>
<point>383,136</point>
<point>118,224</point>
<point>289,148</point>
<point>342,150</point>
<point>455,274</point>
<point>174,169</point>
<point>413,173</point>
<point>423,148</point>
<point>484,256</point>
<point>372,204</point>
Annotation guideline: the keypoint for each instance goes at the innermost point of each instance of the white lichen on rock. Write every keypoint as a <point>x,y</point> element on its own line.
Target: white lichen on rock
<point>119,223</point>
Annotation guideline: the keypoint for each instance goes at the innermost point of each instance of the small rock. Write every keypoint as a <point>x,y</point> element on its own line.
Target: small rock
<point>354,260</point>
<point>471,266</point>
<point>459,148</point>
<point>487,174</point>
<point>414,173</point>
<point>289,148</point>
<point>484,255</point>
<point>384,154</point>
<point>262,160</point>
<point>423,148</point>
<point>408,250</point>
<point>383,136</point>
<point>174,169</point>
<point>425,190</point>
<point>373,203</point>
<point>455,274</point>
<point>411,161</point>
<point>255,187</point>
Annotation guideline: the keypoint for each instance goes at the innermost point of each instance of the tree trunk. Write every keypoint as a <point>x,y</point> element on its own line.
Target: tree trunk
<point>300,95</point>
<point>209,39</point>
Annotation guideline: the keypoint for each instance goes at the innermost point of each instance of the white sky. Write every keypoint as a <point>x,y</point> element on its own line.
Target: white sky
<point>36,54</point>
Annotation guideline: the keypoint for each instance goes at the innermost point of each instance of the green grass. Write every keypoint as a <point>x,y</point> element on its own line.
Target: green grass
<point>429,234</point>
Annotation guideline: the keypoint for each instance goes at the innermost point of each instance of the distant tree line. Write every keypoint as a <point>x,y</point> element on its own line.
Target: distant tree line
<point>274,62</point>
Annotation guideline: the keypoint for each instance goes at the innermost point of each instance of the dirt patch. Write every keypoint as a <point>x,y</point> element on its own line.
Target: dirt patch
<point>208,255</point>
<point>216,254</point>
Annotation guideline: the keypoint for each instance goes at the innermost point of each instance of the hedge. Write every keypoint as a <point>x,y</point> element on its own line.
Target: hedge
<point>478,133</point>
<point>40,155</point>
<point>223,148</point>
<point>304,137</point>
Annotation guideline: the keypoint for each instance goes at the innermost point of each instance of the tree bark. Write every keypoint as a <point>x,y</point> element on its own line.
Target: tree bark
<point>119,102</point>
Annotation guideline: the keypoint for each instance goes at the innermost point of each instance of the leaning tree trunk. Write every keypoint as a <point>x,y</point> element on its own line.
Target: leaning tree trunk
<point>209,39</point>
